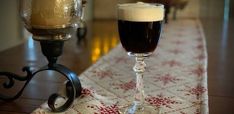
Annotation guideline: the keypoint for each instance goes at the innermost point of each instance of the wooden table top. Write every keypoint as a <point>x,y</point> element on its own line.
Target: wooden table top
<point>101,38</point>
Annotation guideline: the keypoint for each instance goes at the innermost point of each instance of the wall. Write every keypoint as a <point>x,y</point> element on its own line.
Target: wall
<point>106,9</point>
<point>10,34</point>
<point>212,15</point>
<point>191,10</point>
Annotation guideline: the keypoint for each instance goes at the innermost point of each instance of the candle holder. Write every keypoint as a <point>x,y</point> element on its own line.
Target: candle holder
<point>82,29</point>
<point>51,26</point>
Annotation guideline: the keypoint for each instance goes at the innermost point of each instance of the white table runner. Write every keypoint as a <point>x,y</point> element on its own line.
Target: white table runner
<point>175,80</point>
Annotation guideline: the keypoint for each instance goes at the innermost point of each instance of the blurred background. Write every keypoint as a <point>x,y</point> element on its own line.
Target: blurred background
<point>207,10</point>
<point>13,33</point>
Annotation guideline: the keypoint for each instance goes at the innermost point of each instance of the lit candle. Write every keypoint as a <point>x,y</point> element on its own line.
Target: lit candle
<point>51,13</point>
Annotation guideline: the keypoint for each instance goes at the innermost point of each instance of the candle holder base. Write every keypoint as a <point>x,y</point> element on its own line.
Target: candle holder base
<point>52,50</point>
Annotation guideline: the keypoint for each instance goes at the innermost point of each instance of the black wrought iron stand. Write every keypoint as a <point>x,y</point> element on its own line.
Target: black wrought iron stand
<point>52,50</point>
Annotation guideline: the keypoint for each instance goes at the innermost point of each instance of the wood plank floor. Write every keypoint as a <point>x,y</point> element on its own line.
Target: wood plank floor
<point>220,65</point>
<point>101,38</point>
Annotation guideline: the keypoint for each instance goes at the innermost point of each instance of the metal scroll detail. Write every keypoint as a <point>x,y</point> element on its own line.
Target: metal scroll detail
<point>73,85</point>
<point>11,77</point>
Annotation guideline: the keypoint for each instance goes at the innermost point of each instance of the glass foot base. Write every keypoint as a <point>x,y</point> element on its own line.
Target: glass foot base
<point>135,108</point>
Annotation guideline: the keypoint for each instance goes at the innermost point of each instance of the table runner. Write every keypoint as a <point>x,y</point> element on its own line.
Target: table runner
<point>175,78</point>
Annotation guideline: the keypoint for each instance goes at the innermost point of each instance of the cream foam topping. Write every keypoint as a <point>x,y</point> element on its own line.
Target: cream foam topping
<point>141,12</point>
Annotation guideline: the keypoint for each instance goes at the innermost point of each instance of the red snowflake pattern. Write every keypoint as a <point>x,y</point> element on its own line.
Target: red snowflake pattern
<point>104,74</point>
<point>160,101</point>
<point>198,90</point>
<point>104,109</point>
<point>200,47</point>
<point>126,86</point>
<point>198,102</point>
<point>166,79</point>
<point>197,112</point>
<point>199,71</point>
<point>176,51</point>
<point>178,42</point>
<point>121,60</point>
<point>172,63</point>
<point>190,112</point>
<point>181,112</point>
<point>200,57</point>
<point>199,39</point>
<point>87,92</point>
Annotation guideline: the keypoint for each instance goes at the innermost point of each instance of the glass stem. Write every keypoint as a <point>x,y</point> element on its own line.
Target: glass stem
<point>139,69</point>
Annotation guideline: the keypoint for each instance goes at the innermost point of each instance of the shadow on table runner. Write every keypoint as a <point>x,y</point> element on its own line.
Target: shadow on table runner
<point>175,80</point>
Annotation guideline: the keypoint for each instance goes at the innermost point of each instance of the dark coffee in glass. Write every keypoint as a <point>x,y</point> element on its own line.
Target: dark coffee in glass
<point>139,37</point>
<point>140,26</point>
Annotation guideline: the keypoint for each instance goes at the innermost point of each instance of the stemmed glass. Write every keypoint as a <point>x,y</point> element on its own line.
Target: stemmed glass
<point>139,26</point>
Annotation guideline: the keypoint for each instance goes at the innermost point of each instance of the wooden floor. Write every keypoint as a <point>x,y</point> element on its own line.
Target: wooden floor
<point>101,38</point>
<point>220,66</point>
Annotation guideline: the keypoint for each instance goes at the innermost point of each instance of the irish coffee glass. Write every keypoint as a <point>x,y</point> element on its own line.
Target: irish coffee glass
<point>139,26</point>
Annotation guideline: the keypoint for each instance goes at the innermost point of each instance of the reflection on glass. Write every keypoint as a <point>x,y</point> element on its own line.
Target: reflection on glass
<point>31,50</point>
<point>30,42</point>
<point>225,24</point>
<point>105,37</point>
<point>106,45</point>
<point>102,45</point>
<point>114,41</point>
<point>96,49</point>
